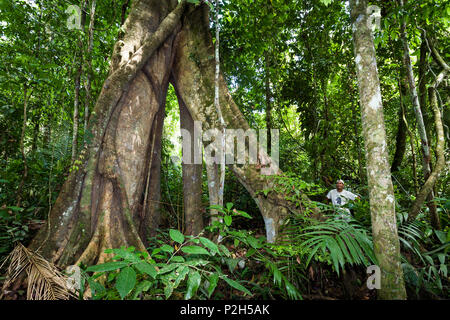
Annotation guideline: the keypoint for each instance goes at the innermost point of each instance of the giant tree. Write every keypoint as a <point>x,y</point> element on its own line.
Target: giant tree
<point>108,201</point>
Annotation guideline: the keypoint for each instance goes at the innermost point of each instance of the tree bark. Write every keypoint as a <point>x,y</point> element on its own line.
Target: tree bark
<point>192,177</point>
<point>381,192</point>
<point>76,101</point>
<point>268,100</point>
<point>87,100</point>
<point>422,87</point>
<point>426,157</point>
<point>26,97</point>
<point>400,145</point>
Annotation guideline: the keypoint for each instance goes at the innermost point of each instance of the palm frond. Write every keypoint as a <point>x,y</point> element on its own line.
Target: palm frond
<point>345,242</point>
<point>45,281</point>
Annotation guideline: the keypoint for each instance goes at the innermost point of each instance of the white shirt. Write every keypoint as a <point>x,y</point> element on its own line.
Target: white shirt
<point>340,198</point>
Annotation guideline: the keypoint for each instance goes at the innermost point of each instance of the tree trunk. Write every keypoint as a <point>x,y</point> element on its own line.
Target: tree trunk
<point>426,157</point>
<point>87,100</point>
<point>76,101</point>
<point>427,188</point>
<point>26,97</point>
<point>427,120</point>
<point>381,191</point>
<point>400,145</point>
<point>268,100</point>
<point>100,203</point>
<point>422,87</point>
<point>192,177</point>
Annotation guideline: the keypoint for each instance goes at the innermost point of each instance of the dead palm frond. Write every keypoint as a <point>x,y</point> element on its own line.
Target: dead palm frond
<point>45,281</point>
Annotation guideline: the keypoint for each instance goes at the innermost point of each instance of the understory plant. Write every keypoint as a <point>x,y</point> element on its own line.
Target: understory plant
<point>188,267</point>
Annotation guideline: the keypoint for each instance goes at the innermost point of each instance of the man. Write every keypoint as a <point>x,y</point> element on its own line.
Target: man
<point>340,197</point>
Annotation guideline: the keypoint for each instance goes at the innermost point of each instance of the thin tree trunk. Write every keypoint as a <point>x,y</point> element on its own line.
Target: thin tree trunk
<point>268,100</point>
<point>26,97</point>
<point>410,134</point>
<point>89,70</point>
<point>400,145</point>
<point>426,157</point>
<point>76,101</point>
<point>422,87</point>
<point>215,169</point>
<point>35,133</point>
<point>427,188</point>
<point>428,122</point>
<point>217,105</point>
<point>381,191</point>
<point>192,176</point>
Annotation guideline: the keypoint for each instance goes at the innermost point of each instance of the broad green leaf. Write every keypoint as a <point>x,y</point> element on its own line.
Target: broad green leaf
<point>178,259</point>
<point>244,214</point>
<point>442,236</point>
<point>168,290</point>
<point>108,266</point>
<point>225,250</point>
<point>213,280</point>
<point>236,285</point>
<point>96,288</point>
<point>182,272</point>
<point>125,281</point>
<point>146,268</point>
<point>209,244</point>
<point>167,248</point>
<point>194,250</point>
<point>232,263</point>
<point>141,287</point>
<point>227,219</point>
<point>192,284</point>
<point>125,254</point>
<point>14,208</point>
<point>176,236</point>
<point>252,241</point>
<point>168,268</point>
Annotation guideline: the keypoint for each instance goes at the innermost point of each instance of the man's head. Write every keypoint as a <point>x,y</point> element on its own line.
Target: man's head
<point>340,185</point>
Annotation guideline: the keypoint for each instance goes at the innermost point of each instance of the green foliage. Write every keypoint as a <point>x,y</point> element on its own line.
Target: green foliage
<point>425,269</point>
<point>334,241</point>
<point>189,264</point>
<point>193,268</point>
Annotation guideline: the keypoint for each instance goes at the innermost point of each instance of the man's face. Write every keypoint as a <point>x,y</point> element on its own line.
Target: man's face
<point>339,186</point>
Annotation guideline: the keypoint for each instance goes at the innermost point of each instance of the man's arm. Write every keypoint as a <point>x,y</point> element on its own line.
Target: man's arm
<point>352,196</point>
